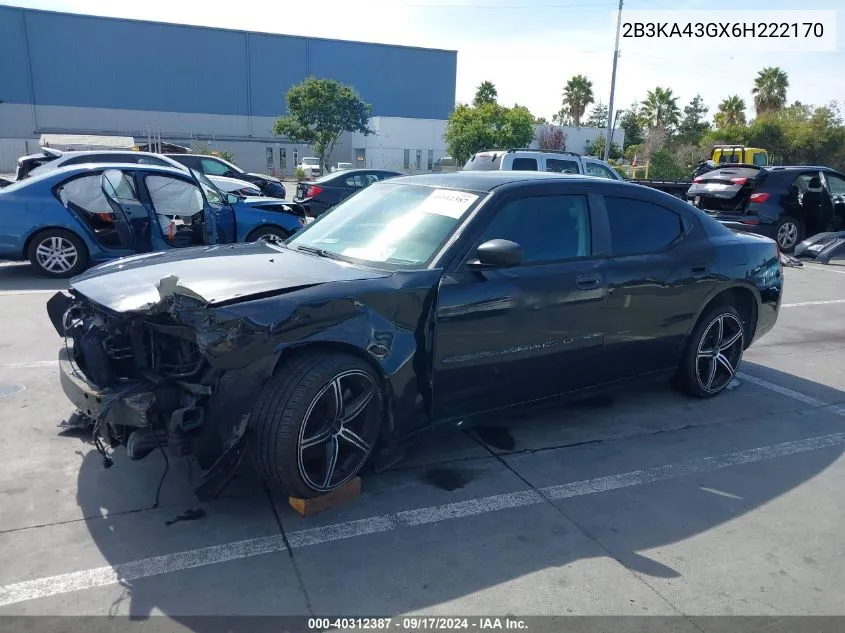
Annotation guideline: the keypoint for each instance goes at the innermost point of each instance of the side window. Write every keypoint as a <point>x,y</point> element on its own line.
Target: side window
<point>524,164</point>
<point>549,228</point>
<point>80,160</point>
<point>212,167</point>
<point>149,160</point>
<point>638,227</point>
<point>85,193</point>
<point>356,181</point>
<point>562,166</point>
<point>171,196</point>
<point>596,169</point>
<point>836,184</point>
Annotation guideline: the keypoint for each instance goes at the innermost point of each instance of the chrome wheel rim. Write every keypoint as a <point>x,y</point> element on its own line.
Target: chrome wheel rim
<point>787,234</point>
<point>719,353</point>
<point>56,254</point>
<point>334,439</point>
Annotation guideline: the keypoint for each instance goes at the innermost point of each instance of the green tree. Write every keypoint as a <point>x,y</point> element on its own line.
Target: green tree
<point>693,125</point>
<point>630,124</point>
<point>660,109</point>
<point>770,90</point>
<point>731,112</point>
<point>663,166</point>
<point>471,129</point>
<point>485,93</point>
<point>598,116</point>
<point>596,148</point>
<point>319,111</point>
<point>577,95</point>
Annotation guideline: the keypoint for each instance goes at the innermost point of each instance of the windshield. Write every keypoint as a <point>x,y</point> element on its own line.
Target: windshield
<point>402,225</point>
<point>310,161</point>
<point>485,161</point>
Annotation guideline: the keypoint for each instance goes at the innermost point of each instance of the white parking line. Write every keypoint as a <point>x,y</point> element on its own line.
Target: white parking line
<point>34,364</point>
<point>148,567</point>
<point>7,293</point>
<point>789,393</point>
<point>828,269</point>
<point>811,303</point>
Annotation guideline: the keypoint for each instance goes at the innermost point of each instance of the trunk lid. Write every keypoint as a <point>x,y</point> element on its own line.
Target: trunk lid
<point>726,191</point>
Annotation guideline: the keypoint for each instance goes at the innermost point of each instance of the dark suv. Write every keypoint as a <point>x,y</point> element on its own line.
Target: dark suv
<point>786,204</point>
<point>270,186</point>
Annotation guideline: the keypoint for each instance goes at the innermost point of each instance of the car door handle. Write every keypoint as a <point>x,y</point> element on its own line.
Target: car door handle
<point>699,271</point>
<point>587,282</point>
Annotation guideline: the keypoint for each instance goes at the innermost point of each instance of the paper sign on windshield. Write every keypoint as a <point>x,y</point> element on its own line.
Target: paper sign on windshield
<point>447,202</point>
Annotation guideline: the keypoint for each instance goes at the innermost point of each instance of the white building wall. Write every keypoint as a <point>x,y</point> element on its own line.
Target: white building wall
<point>398,143</point>
<point>578,137</point>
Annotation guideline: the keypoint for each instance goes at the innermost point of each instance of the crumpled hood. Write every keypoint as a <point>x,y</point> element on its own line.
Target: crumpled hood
<point>211,273</point>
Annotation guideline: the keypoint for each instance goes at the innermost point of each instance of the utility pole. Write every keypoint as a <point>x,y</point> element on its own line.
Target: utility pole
<point>608,139</point>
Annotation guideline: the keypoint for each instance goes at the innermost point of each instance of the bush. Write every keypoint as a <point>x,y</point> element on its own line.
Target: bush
<point>300,174</point>
<point>664,167</point>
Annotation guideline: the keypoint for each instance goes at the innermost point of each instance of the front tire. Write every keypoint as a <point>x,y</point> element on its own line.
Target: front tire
<point>315,423</point>
<point>270,233</point>
<point>713,354</point>
<point>58,253</point>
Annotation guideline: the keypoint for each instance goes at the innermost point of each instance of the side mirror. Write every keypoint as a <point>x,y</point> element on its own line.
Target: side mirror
<point>232,198</point>
<point>498,254</point>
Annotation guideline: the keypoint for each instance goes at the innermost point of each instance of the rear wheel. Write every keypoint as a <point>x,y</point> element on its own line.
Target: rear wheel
<point>58,253</point>
<point>315,423</point>
<point>713,353</point>
<point>788,233</point>
<point>268,233</point>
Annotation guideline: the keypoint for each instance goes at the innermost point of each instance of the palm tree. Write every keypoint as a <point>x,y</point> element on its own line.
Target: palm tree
<point>660,108</point>
<point>770,90</point>
<point>731,112</point>
<point>485,93</point>
<point>577,95</point>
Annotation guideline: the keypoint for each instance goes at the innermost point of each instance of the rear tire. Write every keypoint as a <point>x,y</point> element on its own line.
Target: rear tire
<point>713,353</point>
<point>788,233</point>
<point>58,253</point>
<point>315,423</point>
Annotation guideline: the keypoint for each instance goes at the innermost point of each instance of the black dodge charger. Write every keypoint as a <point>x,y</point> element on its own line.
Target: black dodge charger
<point>421,300</point>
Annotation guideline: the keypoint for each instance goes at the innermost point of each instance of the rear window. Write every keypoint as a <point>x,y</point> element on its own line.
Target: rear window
<point>485,161</point>
<point>734,172</point>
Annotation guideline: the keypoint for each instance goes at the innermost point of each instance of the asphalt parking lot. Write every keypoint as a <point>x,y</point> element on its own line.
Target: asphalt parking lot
<point>642,502</point>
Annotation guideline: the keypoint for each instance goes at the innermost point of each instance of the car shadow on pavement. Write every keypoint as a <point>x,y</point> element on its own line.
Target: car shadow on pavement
<point>21,276</point>
<point>584,543</point>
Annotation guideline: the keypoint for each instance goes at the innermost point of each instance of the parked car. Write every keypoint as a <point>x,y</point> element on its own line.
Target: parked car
<point>787,204</point>
<point>63,221</point>
<point>318,196</point>
<point>50,159</point>
<point>420,301</point>
<point>5,182</point>
<point>310,166</point>
<point>445,164</point>
<point>342,166</point>
<point>540,160</point>
<point>270,186</point>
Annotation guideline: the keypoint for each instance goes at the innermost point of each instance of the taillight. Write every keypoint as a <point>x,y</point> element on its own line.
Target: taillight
<point>758,197</point>
<point>753,222</point>
<point>313,190</point>
<point>698,179</point>
<point>739,181</point>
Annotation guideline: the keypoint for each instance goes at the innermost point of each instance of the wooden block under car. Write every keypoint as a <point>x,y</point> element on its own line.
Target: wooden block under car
<point>308,507</point>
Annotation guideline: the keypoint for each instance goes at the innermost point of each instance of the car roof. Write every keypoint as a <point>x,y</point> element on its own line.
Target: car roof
<point>798,168</point>
<point>488,180</point>
<point>83,167</point>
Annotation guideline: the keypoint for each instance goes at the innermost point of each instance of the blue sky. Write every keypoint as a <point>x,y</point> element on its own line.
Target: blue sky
<point>528,48</point>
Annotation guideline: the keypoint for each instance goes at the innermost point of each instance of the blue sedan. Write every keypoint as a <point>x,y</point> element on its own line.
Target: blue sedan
<point>69,219</point>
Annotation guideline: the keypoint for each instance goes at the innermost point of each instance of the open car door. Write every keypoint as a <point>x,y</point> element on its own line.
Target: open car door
<point>131,218</point>
<point>220,220</point>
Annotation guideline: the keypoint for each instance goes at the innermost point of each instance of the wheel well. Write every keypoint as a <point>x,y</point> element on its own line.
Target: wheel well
<point>267,226</point>
<point>35,234</point>
<point>745,303</point>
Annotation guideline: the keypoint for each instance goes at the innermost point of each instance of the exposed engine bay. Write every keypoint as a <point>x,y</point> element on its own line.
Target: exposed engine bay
<point>140,380</point>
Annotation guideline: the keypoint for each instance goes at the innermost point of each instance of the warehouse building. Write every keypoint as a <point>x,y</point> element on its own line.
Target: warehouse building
<point>69,74</point>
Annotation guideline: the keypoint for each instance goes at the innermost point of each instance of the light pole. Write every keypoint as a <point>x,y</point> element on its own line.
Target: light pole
<point>613,82</point>
<point>612,132</point>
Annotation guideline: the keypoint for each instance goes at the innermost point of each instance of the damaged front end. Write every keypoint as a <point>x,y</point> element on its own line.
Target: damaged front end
<point>143,379</point>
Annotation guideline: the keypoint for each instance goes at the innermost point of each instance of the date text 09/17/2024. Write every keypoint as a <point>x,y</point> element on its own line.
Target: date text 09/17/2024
<point>418,623</point>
